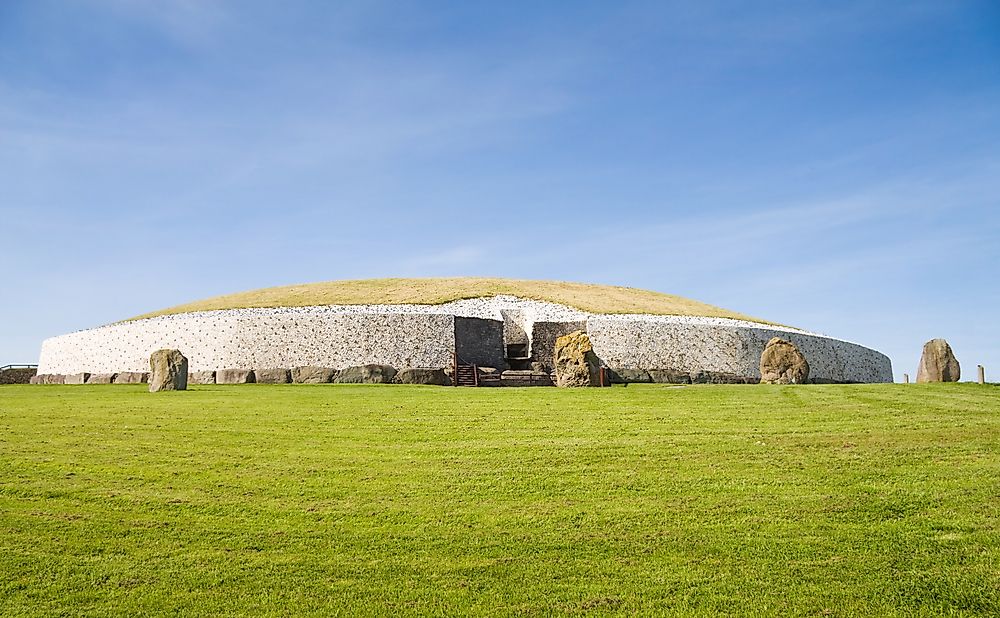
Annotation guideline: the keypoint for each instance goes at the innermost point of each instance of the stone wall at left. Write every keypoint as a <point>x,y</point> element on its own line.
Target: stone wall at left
<point>250,339</point>
<point>332,338</point>
<point>17,375</point>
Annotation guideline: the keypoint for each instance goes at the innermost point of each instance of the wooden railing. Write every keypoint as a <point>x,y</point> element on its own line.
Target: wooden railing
<point>6,367</point>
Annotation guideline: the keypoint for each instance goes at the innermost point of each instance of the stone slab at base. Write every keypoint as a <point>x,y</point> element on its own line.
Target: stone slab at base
<point>201,377</point>
<point>131,377</point>
<point>48,378</point>
<point>272,376</point>
<point>313,375</point>
<point>423,375</point>
<point>234,376</point>
<point>366,374</point>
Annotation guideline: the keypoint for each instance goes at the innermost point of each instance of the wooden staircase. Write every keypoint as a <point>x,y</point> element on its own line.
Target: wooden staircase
<point>466,375</point>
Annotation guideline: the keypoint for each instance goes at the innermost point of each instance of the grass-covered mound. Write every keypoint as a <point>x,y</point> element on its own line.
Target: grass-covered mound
<point>435,291</point>
<point>877,500</point>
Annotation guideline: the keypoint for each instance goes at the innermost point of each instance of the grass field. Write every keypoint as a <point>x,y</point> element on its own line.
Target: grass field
<point>438,290</point>
<point>878,500</point>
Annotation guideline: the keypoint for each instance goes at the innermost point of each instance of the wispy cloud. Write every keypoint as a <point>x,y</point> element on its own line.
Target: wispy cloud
<point>453,261</point>
<point>187,22</point>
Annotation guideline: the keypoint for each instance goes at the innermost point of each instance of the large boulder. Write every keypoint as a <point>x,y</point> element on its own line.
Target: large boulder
<point>101,378</point>
<point>76,378</point>
<point>938,363</point>
<point>782,363</point>
<point>313,375</point>
<point>366,374</point>
<point>423,375</point>
<point>234,376</point>
<point>575,361</point>
<point>168,371</point>
<point>131,377</point>
<point>271,376</point>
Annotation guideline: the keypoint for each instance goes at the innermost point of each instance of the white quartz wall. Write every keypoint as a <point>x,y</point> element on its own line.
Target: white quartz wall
<point>258,339</point>
<point>424,336</point>
<point>729,346</point>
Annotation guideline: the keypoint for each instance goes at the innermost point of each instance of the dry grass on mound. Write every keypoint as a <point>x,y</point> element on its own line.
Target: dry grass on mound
<point>435,291</point>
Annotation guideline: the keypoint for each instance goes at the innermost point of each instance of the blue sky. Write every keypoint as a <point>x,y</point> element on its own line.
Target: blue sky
<point>834,166</point>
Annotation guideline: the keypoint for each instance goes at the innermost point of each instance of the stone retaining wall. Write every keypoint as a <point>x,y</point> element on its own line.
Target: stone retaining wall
<point>221,340</point>
<point>654,342</point>
<point>17,375</point>
<point>408,336</point>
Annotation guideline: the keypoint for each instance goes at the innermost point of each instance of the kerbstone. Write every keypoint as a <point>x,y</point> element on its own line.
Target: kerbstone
<point>234,376</point>
<point>48,378</point>
<point>313,375</point>
<point>131,377</point>
<point>271,376</point>
<point>366,374</point>
<point>669,376</point>
<point>201,377</point>
<point>423,375</point>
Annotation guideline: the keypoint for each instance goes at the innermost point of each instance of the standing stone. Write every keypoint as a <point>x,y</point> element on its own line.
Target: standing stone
<point>313,375</point>
<point>938,363</point>
<point>271,376</point>
<point>575,361</point>
<point>782,363</point>
<point>168,371</point>
<point>234,376</point>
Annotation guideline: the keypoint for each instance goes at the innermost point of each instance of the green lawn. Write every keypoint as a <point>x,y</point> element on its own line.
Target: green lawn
<point>342,500</point>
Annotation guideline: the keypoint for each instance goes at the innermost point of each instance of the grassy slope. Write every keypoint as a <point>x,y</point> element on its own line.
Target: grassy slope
<point>434,291</point>
<point>290,500</point>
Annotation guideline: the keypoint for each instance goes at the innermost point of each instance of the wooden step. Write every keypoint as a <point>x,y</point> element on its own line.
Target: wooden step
<point>466,375</point>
